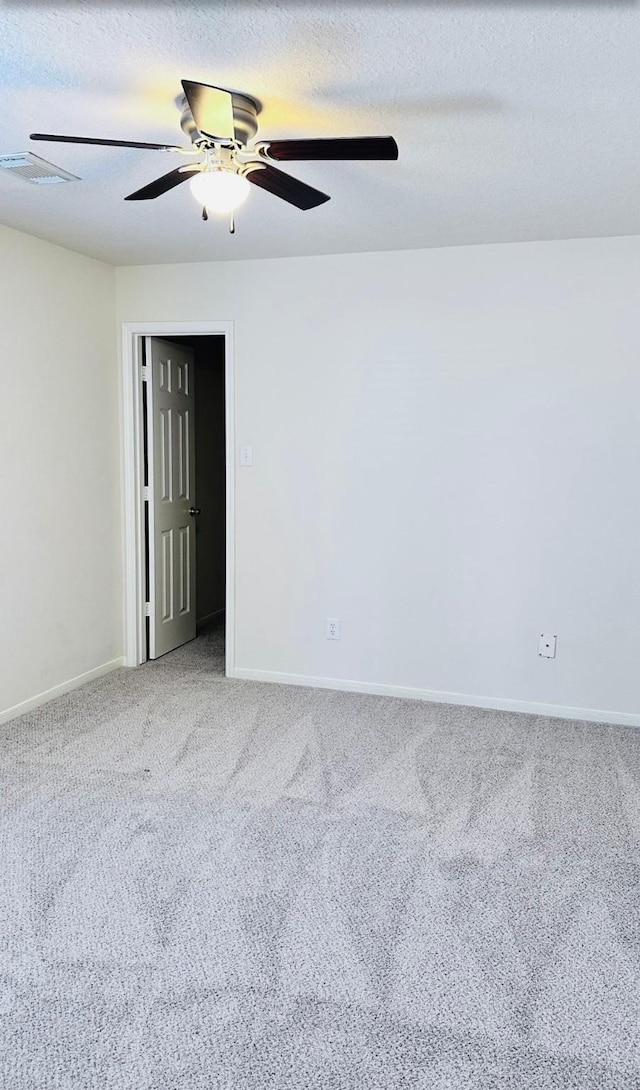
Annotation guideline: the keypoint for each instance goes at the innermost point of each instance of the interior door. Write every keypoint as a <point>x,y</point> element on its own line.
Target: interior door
<point>172,511</point>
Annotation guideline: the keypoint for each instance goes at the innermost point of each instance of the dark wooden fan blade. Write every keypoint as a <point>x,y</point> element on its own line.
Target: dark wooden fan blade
<point>287,188</point>
<point>163,185</point>
<point>212,109</point>
<point>358,147</point>
<point>107,143</point>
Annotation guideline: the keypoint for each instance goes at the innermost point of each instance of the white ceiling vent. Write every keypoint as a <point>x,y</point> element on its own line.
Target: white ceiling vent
<point>34,169</point>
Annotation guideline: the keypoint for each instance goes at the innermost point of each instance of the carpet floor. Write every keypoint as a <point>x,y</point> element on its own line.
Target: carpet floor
<point>220,885</point>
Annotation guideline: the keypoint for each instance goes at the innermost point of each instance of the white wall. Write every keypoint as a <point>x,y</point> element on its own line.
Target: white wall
<point>60,576</point>
<point>446,458</point>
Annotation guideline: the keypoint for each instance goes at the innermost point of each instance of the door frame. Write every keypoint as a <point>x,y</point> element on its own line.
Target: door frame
<point>133,334</point>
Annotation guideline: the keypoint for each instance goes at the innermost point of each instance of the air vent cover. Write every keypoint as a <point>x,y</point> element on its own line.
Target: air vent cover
<point>34,169</point>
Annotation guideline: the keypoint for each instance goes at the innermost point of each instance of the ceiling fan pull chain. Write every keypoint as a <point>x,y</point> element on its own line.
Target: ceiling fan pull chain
<point>232,225</point>
<point>205,214</point>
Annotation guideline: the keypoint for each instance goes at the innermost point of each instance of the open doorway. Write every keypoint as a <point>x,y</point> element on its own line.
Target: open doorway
<point>200,459</point>
<point>203,588</point>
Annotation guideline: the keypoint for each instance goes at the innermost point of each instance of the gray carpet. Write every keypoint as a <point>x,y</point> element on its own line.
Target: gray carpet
<point>220,885</point>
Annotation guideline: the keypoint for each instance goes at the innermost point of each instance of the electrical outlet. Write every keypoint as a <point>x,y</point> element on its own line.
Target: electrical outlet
<point>246,456</point>
<point>547,646</point>
<point>333,628</point>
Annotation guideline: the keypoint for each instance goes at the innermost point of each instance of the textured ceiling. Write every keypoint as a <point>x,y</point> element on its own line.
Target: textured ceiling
<point>515,121</point>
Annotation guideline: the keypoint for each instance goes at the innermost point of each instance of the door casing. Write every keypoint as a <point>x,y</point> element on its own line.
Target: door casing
<point>133,334</point>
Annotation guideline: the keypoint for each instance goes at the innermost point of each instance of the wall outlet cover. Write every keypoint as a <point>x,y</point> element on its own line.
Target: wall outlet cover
<point>547,646</point>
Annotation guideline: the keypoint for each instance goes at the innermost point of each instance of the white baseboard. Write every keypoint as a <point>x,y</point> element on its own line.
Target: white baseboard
<point>200,621</point>
<point>558,711</point>
<point>58,690</point>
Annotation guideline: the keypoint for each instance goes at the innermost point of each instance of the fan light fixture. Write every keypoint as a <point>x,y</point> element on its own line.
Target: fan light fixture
<point>219,190</point>
<point>221,125</point>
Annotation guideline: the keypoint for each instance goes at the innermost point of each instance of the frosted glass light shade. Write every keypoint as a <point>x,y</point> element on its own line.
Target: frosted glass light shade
<point>219,190</point>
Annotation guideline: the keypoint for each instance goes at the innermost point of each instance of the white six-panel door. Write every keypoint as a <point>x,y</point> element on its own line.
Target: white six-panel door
<point>171,475</point>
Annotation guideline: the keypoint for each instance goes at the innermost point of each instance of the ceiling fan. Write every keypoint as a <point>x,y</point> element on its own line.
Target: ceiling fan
<point>221,125</point>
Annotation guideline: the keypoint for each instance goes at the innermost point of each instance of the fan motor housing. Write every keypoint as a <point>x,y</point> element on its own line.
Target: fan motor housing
<point>245,117</point>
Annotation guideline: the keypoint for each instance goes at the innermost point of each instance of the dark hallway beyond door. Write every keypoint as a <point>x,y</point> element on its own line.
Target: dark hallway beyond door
<point>209,383</point>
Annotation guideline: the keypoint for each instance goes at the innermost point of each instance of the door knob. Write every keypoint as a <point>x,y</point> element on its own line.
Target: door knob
<point>193,511</point>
